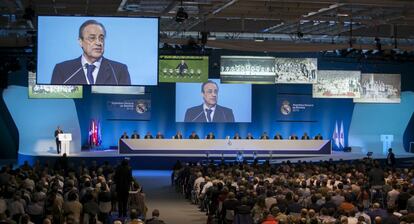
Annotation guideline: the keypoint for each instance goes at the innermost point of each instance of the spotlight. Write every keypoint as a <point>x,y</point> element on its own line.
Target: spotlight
<point>181,15</point>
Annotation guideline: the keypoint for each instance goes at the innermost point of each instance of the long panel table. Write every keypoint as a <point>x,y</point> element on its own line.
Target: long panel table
<point>222,147</point>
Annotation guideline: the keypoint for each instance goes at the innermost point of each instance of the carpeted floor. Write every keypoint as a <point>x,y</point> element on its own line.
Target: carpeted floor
<point>173,207</point>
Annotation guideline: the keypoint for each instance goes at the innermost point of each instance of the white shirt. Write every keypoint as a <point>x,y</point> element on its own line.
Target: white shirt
<point>95,71</point>
<point>205,108</point>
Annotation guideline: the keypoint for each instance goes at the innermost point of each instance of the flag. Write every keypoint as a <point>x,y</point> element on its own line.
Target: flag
<point>98,133</point>
<point>94,138</point>
<point>342,135</point>
<point>335,135</point>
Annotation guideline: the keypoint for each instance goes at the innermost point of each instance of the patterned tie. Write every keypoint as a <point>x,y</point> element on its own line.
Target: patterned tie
<point>209,114</point>
<point>89,71</point>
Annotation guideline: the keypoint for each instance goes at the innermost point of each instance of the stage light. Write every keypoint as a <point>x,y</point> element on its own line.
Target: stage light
<point>181,15</point>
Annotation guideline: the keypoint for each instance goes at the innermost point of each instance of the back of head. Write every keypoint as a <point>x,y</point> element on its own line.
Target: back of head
<point>155,213</point>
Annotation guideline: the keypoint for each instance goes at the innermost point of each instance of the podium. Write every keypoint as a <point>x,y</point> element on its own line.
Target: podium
<point>65,140</point>
<point>386,143</point>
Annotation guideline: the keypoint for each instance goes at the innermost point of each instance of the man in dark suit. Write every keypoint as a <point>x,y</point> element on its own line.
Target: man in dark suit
<point>91,67</point>
<point>236,136</point>
<point>124,135</point>
<point>390,158</point>
<point>159,135</point>
<point>135,135</point>
<point>318,137</point>
<point>278,136</point>
<point>305,136</point>
<point>148,136</point>
<point>249,136</point>
<point>58,143</point>
<point>178,135</point>
<point>293,137</point>
<point>209,111</point>
<point>193,135</point>
<point>123,180</point>
<point>182,67</point>
<point>210,136</point>
<point>264,136</point>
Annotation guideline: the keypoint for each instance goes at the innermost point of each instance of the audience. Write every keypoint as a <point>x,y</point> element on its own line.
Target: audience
<point>325,192</point>
<point>358,191</point>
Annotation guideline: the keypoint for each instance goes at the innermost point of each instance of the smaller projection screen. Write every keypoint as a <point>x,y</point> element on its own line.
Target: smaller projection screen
<point>213,102</point>
<point>337,84</point>
<point>296,70</point>
<point>247,69</point>
<point>52,91</point>
<point>183,68</point>
<point>80,50</point>
<point>380,88</point>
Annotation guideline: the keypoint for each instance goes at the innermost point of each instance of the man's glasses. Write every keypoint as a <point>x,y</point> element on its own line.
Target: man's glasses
<point>95,38</point>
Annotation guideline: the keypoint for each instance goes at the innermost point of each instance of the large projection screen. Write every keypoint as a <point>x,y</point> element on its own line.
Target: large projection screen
<point>380,88</point>
<point>247,69</point>
<point>123,50</point>
<point>233,102</point>
<point>337,84</point>
<point>296,70</point>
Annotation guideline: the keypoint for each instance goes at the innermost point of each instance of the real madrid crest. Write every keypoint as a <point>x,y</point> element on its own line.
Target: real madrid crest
<point>141,107</point>
<point>285,108</point>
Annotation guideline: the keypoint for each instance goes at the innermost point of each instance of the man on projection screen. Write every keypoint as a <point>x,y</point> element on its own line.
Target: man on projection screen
<point>91,67</point>
<point>209,111</point>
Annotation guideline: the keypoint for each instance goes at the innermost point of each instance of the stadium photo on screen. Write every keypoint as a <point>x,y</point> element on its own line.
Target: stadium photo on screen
<point>337,84</point>
<point>247,69</point>
<point>52,91</point>
<point>183,68</point>
<point>380,88</point>
<point>296,70</point>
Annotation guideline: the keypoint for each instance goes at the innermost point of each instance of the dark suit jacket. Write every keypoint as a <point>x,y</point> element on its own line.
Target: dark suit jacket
<point>135,136</point>
<point>264,137</point>
<point>148,137</point>
<point>159,136</point>
<point>221,114</point>
<point>57,132</point>
<point>210,137</point>
<point>110,73</point>
<point>194,137</point>
<point>178,137</point>
<point>279,137</point>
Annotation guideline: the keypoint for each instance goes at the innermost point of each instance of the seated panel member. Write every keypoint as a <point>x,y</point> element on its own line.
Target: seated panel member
<point>135,135</point>
<point>278,136</point>
<point>293,137</point>
<point>305,136</point>
<point>148,136</point>
<point>159,135</point>
<point>178,135</point>
<point>193,135</point>
<point>210,136</point>
<point>91,67</point>
<point>124,135</point>
<point>249,136</point>
<point>236,136</point>
<point>318,137</point>
<point>264,136</point>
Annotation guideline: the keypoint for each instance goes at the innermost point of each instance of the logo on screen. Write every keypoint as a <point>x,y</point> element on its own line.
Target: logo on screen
<point>285,108</point>
<point>141,107</point>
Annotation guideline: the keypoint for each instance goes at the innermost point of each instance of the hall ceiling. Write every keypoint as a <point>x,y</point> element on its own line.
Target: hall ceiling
<point>323,24</point>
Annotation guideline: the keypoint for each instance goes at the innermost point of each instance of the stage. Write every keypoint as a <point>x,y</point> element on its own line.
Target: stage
<point>167,153</point>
